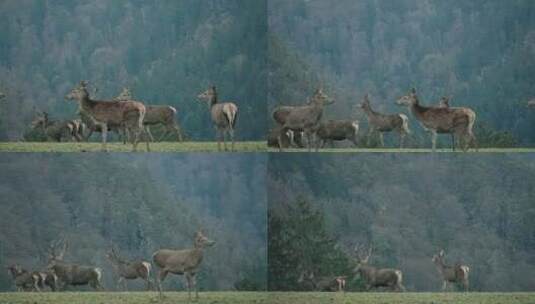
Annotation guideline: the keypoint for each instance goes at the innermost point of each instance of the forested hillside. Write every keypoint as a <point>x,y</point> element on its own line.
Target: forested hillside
<point>479,210</point>
<point>141,204</point>
<point>480,52</point>
<point>167,52</point>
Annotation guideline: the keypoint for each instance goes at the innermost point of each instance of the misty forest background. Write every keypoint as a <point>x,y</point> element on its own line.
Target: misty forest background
<point>141,204</point>
<point>167,52</point>
<point>480,210</point>
<point>481,52</point>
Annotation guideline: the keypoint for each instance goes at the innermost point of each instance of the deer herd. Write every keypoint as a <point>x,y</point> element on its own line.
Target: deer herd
<point>58,274</point>
<point>386,278</point>
<point>291,122</point>
<point>130,119</point>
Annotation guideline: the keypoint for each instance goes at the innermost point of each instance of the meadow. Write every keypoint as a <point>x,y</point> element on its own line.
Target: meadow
<point>409,150</point>
<point>243,146</point>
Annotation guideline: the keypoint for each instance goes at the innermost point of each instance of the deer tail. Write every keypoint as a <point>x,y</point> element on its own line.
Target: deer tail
<point>231,113</point>
<point>148,267</point>
<point>98,271</point>
<point>405,123</point>
<point>355,125</point>
<point>399,276</point>
<point>465,269</point>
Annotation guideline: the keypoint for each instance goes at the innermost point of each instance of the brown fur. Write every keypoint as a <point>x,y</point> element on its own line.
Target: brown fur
<point>451,274</point>
<point>332,130</point>
<point>129,270</point>
<point>377,277</point>
<point>224,116</point>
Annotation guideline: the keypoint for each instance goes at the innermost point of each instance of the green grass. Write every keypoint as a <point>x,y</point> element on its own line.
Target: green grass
<point>268,298</point>
<point>242,146</point>
<point>409,150</point>
<point>401,298</point>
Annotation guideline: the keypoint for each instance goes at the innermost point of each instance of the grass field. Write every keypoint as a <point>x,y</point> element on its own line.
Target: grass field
<point>409,150</point>
<point>242,146</point>
<point>272,297</point>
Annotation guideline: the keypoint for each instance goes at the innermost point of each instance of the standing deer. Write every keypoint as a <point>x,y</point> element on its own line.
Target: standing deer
<point>57,129</point>
<point>377,277</point>
<point>280,115</point>
<point>306,118</point>
<point>72,274</point>
<point>380,123</point>
<point>156,115</point>
<point>309,281</point>
<point>223,114</point>
<point>451,274</point>
<point>458,121</point>
<point>24,280</point>
<point>182,262</point>
<point>129,270</point>
<point>332,130</point>
<point>129,114</point>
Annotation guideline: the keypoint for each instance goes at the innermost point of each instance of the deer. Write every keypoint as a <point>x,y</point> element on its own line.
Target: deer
<point>182,262</point>
<point>279,115</point>
<point>376,277</point>
<point>129,270</point>
<point>287,138</point>
<point>24,280</point>
<point>129,114</point>
<point>309,281</point>
<point>306,118</point>
<point>57,130</point>
<point>381,123</point>
<point>338,130</point>
<point>69,274</point>
<point>223,115</point>
<point>458,121</point>
<point>457,273</point>
<point>156,115</point>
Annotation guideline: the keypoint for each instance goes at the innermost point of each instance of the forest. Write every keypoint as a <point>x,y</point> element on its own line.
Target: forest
<point>479,210</point>
<point>138,204</point>
<point>482,53</point>
<point>166,52</point>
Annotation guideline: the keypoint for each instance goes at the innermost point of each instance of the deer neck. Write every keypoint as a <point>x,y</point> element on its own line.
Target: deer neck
<point>369,112</point>
<point>213,100</point>
<point>417,109</point>
<point>441,266</point>
<point>86,103</point>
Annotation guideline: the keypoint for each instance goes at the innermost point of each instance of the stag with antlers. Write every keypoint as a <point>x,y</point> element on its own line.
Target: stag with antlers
<point>441,120</point>
<point>71,274</point>
<point>457,274</point>
<point>129,114</point>
<point>182,262</point>
<point>223,114</point>
<point>129,270</point>
<point>376,277</point>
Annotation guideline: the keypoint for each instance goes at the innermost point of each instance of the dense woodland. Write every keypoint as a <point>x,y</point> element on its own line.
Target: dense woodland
<point>140,204</point>
<point>479,210</point>
<point>167,52</point>
<point>480,52</point>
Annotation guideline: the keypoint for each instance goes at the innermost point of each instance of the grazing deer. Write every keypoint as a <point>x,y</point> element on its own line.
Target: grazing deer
<point>377,277</point>
<point>72,274</point>
<point>182,262</point>
<point>224,116</point>
<point>57,129</point>
<point>451,274</point>
<point>129,270</point>
<point>306,118</point>
<point>129,114</point>
<point>156,115</point>
<point>380,123</point>
<point>458,120</point>
<point>309,281</point>
<point>332,130</point>
<point>24,280</point>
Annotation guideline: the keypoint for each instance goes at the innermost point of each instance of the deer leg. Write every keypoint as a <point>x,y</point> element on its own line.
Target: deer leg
<point>370,133</point>
<point>218,139</point>
<point>161,276</point>
<point>147,129</point>
<point>381,139</point>
<point>434,140</point>
<point>401,139</point>
<point>104,136</point>
<point>188,282</point>
<point>176,129</point>
<point>444,286</point>
<point>231,133</point>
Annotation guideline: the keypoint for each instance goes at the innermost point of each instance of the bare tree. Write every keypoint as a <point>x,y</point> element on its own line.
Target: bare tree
<point>163,115</point>
<point>459,120</point>
<point>306,118</point>
<point>381,123</point>
<point>71,274</point>
<point>457,273</point>
<point>376,277</point>
<point>129,114</point>
<point>223,114</point>
<point>332,130</point>
<point>24,280</point>
<point>129,270</point>
<point>182,262</point>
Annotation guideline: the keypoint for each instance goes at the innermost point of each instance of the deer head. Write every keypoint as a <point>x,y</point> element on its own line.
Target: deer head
<point>79,92</point>
<point>201,241</point>
<point>408,100</point>
<point>56,252</point>
<point>319,97</point>
<point>126,94</point>
<point>208,95</point>
<point>444,101</point>
<point>365,104</point>
<point>438,258</point>
<point>362,256</point>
